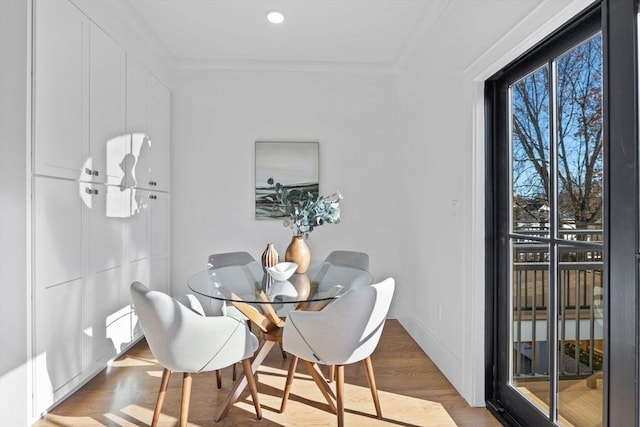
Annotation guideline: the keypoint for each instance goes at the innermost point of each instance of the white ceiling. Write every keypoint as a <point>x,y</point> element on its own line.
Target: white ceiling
<point>343,33</point>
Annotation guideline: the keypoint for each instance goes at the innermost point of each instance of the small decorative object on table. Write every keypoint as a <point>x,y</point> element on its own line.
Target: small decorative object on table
<point>298,251</point>
<point>269,256</point>
<point>282,271</point>
<point>304,213</point>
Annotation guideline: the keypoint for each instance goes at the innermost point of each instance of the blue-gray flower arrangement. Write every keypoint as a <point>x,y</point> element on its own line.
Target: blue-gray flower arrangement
<point>305,211</point>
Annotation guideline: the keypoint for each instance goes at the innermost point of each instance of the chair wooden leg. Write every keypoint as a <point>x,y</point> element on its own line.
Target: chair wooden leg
<point>160,400</point>
<point>284,353</point>
<point>253,387</point>
<point>218,379</point>
<point>318,378</point>
<point>340,395</point>
<point>187,379</point>
<point>372,386</point>
<point>287,386</point>
<point>240,385</point>
<point>234,373</point>
<point>332,373</point>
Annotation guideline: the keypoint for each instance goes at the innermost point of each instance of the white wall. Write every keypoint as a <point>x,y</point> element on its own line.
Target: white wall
<point>14,194</point>
<point>217,117</point>
<point>441,167</point>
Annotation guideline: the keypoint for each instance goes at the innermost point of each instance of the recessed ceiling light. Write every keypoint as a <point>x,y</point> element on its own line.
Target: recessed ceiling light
<point>275,17</point>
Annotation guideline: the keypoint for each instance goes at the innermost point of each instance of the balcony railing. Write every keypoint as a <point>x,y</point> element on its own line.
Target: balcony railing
<point>580,317</point>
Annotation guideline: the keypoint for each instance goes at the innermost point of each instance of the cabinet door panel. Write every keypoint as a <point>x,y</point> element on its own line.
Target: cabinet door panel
<point>136,124</point>
<point>141,151</point>
<point>60,89</point>
<point>159,224</point>
<point>58,340</point>
<point>137,235</point>
<point>158,122</point>
<point>136,97</point>
<point>148,125</point>
<point>107,209</point>
<point>58,231</point>
<point>108,334</point>
<point>108,143</point>
<point>139,271</point>
<point>160,274</point>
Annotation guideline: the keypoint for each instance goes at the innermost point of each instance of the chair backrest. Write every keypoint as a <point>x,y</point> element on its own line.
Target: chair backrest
<point>346,331</point>
<point>184,341</point>
<point>349,258</point>
<point>345,276</point>
<point>191,302</point>
<point>214,307</point>
<point>225,259</point>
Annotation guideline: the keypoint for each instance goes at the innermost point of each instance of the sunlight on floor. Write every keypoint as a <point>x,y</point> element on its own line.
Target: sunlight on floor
<point>137,415</point>
<point>129,361</point>
<point>59,420</point>
<point>155,374</point>
<point>305,399</point>
<point>359,409</point>
<point>122,422</point>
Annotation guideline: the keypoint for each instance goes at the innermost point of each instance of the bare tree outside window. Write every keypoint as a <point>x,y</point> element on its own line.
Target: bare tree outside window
<point>579,143</point>
<point>530,157</point>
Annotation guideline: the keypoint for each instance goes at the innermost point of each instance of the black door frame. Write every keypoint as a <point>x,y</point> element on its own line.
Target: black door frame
<point>621,245</point>
<point>621,250</point>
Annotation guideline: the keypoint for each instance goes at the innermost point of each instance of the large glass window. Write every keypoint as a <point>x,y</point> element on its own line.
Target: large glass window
<point>556,234</point>
<point>563,209</point>
<point>549,195</point>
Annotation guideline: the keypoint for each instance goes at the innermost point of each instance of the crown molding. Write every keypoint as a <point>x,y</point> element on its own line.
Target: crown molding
<point>297,66</point>
<point>431,16</point>
<point>543,20</point>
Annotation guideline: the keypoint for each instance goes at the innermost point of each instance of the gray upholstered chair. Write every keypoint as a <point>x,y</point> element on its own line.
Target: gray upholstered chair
<point>344,258</point>
<point>193,303</point>
<point>230,258</point>
<point>349,259</point>
<point>253,267</point>
<point>213,307</point>
<point>182,340</point>
<point>344,332</point>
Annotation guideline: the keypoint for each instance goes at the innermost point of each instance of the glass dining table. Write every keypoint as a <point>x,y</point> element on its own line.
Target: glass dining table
<point>265,302</point>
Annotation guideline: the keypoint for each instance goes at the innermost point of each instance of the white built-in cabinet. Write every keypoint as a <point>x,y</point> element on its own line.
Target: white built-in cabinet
<point>147,113</point>
<point>148,244</point>
<point>101,142</point>
<point>108,144</point>
<point>61,89</point>
<point>60,237</point>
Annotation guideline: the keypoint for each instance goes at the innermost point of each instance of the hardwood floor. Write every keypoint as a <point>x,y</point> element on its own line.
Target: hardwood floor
<point>413,392</point>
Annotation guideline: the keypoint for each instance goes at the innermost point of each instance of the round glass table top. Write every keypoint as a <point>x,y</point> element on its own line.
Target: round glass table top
<point>249,283</point>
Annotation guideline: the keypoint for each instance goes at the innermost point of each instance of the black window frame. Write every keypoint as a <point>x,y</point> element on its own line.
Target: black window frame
<point>621,248</point>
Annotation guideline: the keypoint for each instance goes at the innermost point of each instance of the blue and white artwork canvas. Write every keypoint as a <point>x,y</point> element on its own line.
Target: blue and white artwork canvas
<point>292,164</point>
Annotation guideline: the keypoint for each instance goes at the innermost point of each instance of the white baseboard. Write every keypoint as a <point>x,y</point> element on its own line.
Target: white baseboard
<point>449,363</point>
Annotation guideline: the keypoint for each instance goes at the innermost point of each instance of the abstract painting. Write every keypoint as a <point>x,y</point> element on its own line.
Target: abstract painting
<point>291,163</point>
